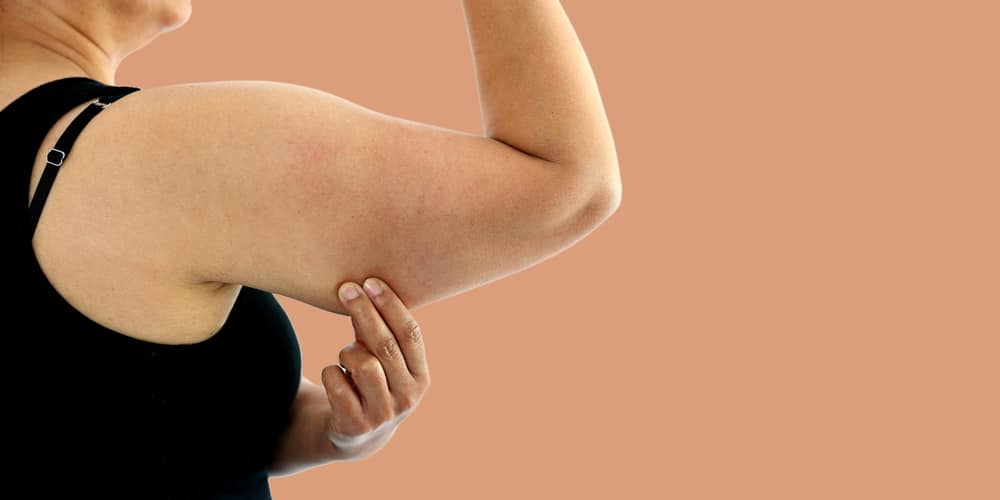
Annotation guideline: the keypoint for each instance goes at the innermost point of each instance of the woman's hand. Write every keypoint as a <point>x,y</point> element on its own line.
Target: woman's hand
<point>382,375</point>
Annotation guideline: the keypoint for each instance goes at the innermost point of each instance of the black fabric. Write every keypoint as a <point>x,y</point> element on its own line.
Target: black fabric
<point>96,413</point>
<point>57,155</point>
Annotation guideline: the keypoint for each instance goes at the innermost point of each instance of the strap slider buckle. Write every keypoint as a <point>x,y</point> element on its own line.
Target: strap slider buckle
<point>49,158</point>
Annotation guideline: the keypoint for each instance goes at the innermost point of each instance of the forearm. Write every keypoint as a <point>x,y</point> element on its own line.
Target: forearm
<point>537,89</point>
<point>305,444</point>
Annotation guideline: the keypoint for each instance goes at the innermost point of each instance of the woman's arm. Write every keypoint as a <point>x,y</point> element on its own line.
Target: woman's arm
<point>289,189</point>
<point>304,444</point>
<point>537,89</point>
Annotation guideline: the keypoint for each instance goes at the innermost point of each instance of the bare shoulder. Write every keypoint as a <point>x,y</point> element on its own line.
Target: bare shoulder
<point>199,121</point>
<point>135,201</point>
<point>100,239</point>
<point>228,105</point>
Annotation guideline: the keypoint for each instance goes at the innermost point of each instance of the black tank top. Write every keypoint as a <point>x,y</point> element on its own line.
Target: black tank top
<point>99,414</point>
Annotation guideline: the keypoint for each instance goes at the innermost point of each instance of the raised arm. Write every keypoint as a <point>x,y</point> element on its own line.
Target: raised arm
<point>294,190</point>
<point>538,92</point>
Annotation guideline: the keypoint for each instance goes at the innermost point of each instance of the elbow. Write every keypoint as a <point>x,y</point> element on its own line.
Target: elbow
<point>604,199</point>
<point>607,197</point>
<point>611,196</point>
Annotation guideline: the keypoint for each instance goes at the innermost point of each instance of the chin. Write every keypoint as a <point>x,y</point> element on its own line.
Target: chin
<point>175,14</point>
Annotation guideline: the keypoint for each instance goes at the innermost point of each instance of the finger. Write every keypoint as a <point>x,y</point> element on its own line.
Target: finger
<point>364,369</point>
<point>344,400</point>
<point>405,329</point>
<point>372,331</point>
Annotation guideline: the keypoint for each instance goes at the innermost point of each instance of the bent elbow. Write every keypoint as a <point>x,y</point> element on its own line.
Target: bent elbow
<point>604,200</point>
<point>611,196</point>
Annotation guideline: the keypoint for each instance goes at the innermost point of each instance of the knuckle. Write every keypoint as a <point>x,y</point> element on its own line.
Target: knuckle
<point>369,366</point>
<point>328,376</point>
<point>348,353</point>
<point>411,330</point>
<point>338,390</point>
<point>408,401</point>
<point>387,348</point>
<point>423,380</point>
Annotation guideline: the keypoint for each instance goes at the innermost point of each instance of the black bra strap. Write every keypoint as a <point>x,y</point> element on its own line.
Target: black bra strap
<point>57,155</point>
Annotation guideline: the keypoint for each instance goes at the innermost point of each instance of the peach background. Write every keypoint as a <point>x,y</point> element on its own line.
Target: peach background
<point>799,297</point>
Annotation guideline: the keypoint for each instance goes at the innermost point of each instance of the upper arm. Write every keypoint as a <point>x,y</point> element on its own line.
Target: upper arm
<point>293,190</point>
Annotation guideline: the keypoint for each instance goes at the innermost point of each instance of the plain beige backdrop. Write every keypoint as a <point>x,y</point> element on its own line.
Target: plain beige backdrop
<point>798,299</point>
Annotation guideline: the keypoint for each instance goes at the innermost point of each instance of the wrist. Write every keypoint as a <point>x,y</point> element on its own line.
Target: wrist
<point>305,443</point>
<point>366,446</point>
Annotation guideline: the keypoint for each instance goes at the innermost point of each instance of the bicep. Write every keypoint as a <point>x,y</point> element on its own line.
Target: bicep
<point>308,190</point>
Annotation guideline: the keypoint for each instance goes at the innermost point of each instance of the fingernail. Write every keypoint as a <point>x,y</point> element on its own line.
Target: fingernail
<point>373,286</point>
<point>349,291</point>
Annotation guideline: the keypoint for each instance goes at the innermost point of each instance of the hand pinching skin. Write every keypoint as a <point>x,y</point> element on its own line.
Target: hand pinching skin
<point>382,375</point>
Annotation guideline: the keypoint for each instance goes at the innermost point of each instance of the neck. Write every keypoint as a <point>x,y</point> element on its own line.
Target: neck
<point>47,47</point>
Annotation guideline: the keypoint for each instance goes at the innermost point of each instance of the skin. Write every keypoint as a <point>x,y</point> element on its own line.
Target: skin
<point>361,401</point>
<point>251,183</point>
<point>307,190</point>
<point>58,37</point>
<point>381,378</point>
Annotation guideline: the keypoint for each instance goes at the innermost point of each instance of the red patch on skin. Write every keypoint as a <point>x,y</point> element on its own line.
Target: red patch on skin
<point>312,151</point>
<point>311,171</point>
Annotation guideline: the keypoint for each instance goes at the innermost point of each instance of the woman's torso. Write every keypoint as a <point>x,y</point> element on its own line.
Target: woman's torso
<point>127,378</point>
